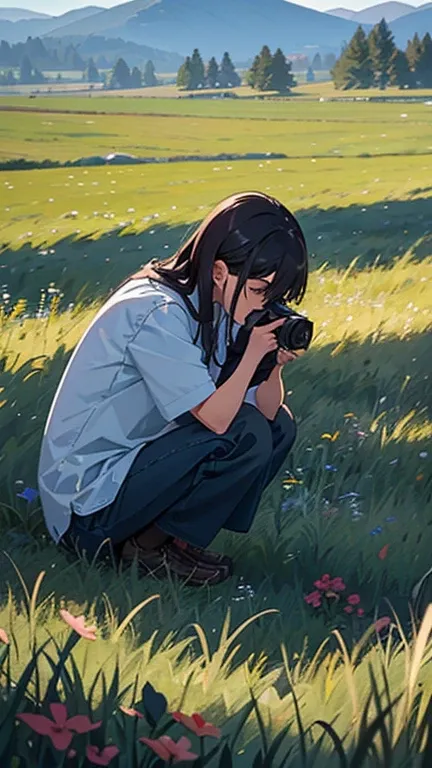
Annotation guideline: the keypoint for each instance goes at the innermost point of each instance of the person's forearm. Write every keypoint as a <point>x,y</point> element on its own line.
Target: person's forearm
<point>270,394</point>
<point>219,410</point>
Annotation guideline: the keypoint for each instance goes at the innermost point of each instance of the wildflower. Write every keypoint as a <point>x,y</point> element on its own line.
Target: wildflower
<point>166,748</point>
<point>348,609</point>
<point>360,612</point>
<point>376,531</point>
<point>314,599</point>
<point>323,582</point>
<point>29,494</point>
<point>382,554</point>
<point>131,712</point>
<point>77,624</point>
<point>3,636</point>
<point>353,599</point>
<point>71,754</point>
<point>419,477</point>
<point>101,756</point>
<point>197,724</point>
<point>337,584</point>
<point>381,623</point>
<point>61,729</point>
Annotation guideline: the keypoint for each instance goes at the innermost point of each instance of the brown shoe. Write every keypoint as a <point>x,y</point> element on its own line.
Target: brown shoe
<point>164,560</point>
<point>215,559</point>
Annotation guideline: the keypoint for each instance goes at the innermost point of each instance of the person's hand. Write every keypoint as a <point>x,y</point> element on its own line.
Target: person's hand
<point>263,340</point>
<point>284,356</point>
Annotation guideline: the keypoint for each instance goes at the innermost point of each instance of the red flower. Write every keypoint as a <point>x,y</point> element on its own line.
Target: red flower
<point>197,724</point>
<point>131,712</point>
<point>101,756</point>
<point>353,599</point>
<point>166,748</point>
<point>382,554</point>
<point>348,609</point>
<point>323,582</point>
<point>381,623</point>
<point>360,611</point>
<point>60,729</point>
<point>337,585</point>
<point>77,624</point>
<point>314,599</point>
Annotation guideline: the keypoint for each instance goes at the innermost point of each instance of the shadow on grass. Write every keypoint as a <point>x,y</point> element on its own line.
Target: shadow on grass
<point>89,268</point>
<point>384,476</point>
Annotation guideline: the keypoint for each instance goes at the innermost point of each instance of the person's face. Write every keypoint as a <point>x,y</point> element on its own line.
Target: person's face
<point>251,297</point>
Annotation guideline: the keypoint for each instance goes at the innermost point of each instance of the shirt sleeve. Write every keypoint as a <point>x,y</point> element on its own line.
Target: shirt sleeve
<point>250,396</point>
<point>169,362</point>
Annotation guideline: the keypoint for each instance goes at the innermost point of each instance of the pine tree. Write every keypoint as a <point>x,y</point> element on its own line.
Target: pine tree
<point>354,67</point>
<point>381,48</point>
<point>310,77</point>
<point>264,72</point>
<point>197,70</point>
<point>92,74</point>
<point>281,78</point>
<point>136,78</point>
<point>121,75</point>
<point>251,74</point>
<point>184,75</point>
<point>413,53</point>
<point>228,77</point>
<point>399,72</point>
<point>212,73</point>
<point>26,71</point>
<point>317,63</point>
<point>150,79</point>
<point>424,64</point>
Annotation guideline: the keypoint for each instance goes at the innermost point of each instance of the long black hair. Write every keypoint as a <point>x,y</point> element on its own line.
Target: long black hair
<point>255,235</point>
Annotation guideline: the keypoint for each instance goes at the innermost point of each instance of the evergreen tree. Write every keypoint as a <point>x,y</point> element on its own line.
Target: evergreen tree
<point>354,67</point>
<point>413,52</point>
<point>197,70</point>
<point>184,75</point>
<point>310,77</point>
<point>424,64</point>
<point>136,78</point>
<point>399,72</point>
<point>6,55</point>
<point>212,73</point>
<point>316,62</point>
<point>26,71</point>
<point>381,48</point>
<point>228,77</point>
<point>121,75</point>
<point>92,74</point>
<point>281,79</point>
<point>149,79</point>
<point>264,72</point>
<point>252,73</point>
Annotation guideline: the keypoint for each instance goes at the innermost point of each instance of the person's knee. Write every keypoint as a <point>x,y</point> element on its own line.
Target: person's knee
<point>256,429</point>
<point>287,425</point>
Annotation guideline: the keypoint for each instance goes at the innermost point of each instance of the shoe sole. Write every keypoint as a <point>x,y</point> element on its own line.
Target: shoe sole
<point>206,561</point>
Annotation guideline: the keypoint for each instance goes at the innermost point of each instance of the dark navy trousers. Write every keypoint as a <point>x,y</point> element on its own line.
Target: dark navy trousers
<point>192,482</point>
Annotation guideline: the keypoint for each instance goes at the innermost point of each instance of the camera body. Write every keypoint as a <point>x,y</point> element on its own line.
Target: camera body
<point>294,334</point>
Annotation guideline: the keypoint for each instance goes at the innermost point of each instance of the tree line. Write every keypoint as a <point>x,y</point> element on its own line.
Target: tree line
<point>374,61</point>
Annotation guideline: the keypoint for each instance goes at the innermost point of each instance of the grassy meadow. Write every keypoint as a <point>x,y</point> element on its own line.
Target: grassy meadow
<point>346,683</point>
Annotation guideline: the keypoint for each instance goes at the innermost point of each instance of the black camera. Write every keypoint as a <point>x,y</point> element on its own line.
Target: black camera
<point>294,334</point>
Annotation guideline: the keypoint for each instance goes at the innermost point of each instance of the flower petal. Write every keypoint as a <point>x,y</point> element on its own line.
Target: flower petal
<point>158,747</point>
<point>59,713</point>
<point>101,756</point>
<point>60,739</point>
<point>77,624</point>
<point>4,637</point>
<point>82,724</point>
<point>38,723</point>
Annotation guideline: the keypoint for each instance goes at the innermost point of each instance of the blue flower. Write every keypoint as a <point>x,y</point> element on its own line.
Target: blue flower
<point>29,494</point>
<point>330,468</point>
<point>376,530</point>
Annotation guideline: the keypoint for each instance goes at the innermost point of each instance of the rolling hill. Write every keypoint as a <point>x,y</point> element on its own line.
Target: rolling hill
<point>404,28</point>
<point>36,25</point>
<point>17,14</point>
<point>372,15</point>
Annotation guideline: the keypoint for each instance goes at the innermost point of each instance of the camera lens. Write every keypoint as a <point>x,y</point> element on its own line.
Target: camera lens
<point>295,333</point>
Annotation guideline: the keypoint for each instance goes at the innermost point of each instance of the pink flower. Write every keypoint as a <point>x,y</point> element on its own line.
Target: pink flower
<point>353,599</point>
<point>197,724</point>
<point>381,623</point>
<point>382,554</point>
<point>77,623</point>
<point>3,636</point>
<point>360,611</point>
<point>131,712</point>
<point>348,609</point>
<point>72,753</point>
<point>323,582</point>
<point>314,599</point>
<point>337,584</point>
<point>101,756</point>
<point>166,748</point>
<point>60,729</point>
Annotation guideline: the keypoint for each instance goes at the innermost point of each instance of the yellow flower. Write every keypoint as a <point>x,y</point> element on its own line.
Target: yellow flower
<point>327,436</point>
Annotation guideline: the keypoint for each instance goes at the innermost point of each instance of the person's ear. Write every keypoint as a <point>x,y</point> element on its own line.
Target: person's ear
<point>220,272</point>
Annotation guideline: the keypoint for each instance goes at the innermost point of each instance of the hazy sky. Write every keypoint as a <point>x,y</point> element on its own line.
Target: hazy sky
<point>56,7</point>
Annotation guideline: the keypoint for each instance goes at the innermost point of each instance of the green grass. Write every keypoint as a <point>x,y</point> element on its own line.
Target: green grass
<point>365,382</point>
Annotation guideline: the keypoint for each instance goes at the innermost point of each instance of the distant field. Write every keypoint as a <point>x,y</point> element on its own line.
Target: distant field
<point>318,130</point>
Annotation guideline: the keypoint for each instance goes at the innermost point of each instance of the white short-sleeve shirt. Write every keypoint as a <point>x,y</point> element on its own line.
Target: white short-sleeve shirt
<point>135,370</point>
